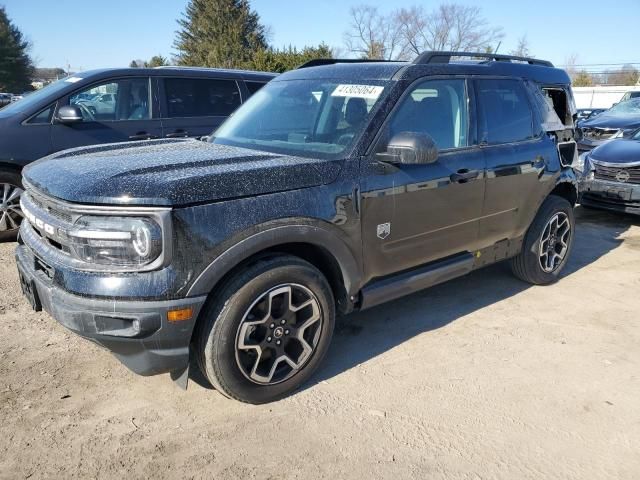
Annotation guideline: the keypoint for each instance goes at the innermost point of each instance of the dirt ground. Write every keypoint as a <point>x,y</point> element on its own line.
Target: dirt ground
<point>480,378</point>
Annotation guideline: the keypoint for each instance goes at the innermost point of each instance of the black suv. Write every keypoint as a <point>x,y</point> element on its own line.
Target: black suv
<point>336,187</point>
<point>113,105</point>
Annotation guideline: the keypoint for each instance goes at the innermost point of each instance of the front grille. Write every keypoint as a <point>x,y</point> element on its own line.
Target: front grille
<point>617,174</point>
<point>599,133</point>
<point>52,210</point>
<point>49,220</point>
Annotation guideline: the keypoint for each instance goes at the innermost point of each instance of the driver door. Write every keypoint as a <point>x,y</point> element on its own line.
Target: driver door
<point>414,214</point>
<point>113,111</point>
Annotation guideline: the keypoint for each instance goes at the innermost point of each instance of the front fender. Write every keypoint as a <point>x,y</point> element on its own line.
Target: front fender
<point>272,237</point>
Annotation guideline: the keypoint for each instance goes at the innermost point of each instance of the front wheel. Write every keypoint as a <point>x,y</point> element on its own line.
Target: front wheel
<point>10,213</point>
<point>267,331</point>
<point>547,244</point>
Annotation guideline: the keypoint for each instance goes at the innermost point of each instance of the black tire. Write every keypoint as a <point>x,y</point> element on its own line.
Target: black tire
<point>218,334</point>
<point>528,264</point>
<point>14,181</point>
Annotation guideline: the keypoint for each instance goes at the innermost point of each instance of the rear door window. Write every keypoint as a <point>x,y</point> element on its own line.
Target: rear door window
<point>253,87</point>
<point>196,97</point>
<point>505,111</point>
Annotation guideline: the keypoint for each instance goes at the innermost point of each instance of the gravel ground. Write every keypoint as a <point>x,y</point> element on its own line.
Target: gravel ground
<point>483,377</point>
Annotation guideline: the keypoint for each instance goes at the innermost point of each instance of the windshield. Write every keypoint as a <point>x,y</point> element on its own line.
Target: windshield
<point>628,107</point>
<point>303,117</point>
<point>34,99</point>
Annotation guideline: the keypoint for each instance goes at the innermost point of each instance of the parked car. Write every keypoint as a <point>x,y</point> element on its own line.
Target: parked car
<point>587,113</point>
<point>19,96</point>
<point>114,105</point>
<point>629,95</point>
<point>623,118</point>
<point>337,187</point>
<point>5,99</point>
<point>609,175</point>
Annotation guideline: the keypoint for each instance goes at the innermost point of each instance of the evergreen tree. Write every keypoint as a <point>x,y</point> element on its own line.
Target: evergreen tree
<point>16,67</point>
<point>219,33</point>
<point>276,60</point>
<point>157,61</point>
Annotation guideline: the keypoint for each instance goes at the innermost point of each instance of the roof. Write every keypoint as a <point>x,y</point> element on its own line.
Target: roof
<point>179,71</point>
<point>538,71</point>
<point>350,70</point>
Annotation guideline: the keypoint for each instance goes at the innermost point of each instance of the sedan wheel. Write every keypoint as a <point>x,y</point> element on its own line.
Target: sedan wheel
<point>10,213</point>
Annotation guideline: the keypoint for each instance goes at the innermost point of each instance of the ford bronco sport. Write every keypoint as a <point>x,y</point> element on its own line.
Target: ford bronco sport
<point>336,187</point>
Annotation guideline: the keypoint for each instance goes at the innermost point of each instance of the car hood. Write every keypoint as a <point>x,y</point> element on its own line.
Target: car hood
<point>609,121</point>
<point>617,151</point>
<point>172,173</point>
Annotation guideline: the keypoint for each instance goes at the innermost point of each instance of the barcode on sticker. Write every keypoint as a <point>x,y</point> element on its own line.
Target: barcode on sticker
<point>358,91</point>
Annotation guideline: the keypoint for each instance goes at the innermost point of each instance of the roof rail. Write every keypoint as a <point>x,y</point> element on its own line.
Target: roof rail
<point>445,57</point>
<point>316,62</point>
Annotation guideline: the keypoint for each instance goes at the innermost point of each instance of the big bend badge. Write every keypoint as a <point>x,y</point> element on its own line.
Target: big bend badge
<point>384,230</point>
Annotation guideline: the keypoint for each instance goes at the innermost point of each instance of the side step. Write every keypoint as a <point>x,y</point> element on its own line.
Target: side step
<point>405,283</point>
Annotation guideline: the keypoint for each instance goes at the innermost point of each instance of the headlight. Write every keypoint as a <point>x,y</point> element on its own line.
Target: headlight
<point>619,134</point>
<point>117,241</point>
<point>625,132</point>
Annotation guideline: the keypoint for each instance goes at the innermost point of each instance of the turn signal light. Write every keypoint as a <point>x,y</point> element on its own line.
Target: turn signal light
<point>180,315</point>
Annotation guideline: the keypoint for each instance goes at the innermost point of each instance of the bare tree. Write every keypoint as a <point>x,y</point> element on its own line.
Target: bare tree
<point>570,63</point>
<point>627,75</point>
<point>450,26</point>
<point>522,50</point>
<point>372,35</point>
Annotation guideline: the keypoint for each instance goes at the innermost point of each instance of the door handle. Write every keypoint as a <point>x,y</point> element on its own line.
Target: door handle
<point>177,134</point>
<point>464,175</point>
<point>142,136</point>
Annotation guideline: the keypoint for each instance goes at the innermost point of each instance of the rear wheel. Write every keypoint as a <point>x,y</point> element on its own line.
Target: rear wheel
<point>10,213</point>
<point>547,244</point>
<point>268,330</point>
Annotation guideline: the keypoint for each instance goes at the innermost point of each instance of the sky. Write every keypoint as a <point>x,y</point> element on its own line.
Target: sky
<point>86,34</point>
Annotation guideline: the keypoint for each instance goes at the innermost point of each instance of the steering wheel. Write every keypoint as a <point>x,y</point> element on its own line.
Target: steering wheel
<point>86,113</point>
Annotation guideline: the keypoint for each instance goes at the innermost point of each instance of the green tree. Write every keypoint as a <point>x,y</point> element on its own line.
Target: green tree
<point>157,61</point>
<point>16,66</point>
<point>219,33</point>
<point>582,79</point>
<point>281,60</point>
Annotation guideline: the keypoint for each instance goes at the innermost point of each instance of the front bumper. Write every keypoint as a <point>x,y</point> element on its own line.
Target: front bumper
<point>616,196</point>
<point>136,332</point>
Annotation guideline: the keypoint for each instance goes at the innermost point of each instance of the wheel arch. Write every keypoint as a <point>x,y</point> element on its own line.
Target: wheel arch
<point>12,167</point>
<point>567,190</point>
<point>320,247</point>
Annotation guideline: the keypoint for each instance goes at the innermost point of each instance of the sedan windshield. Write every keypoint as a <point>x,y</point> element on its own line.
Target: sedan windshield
<point>628,107</point>
<point>303,117</point>
<point>36,97</point>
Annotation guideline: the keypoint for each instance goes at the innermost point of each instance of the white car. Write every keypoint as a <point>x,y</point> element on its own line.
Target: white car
<point>104,103</point>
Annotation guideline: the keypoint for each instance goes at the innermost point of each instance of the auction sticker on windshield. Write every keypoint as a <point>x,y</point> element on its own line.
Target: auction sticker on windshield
<point>359,91</point>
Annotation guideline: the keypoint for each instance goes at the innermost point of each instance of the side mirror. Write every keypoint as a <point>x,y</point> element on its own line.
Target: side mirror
<point>70,114</point>
<point>410,148</point>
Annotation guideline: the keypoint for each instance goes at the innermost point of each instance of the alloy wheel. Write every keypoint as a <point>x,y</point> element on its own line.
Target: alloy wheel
<point>10,213</point>
<point>278,334</point>
<point>554,242</point>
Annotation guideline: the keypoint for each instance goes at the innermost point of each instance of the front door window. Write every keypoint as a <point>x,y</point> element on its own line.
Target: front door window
<point>126,99</point>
